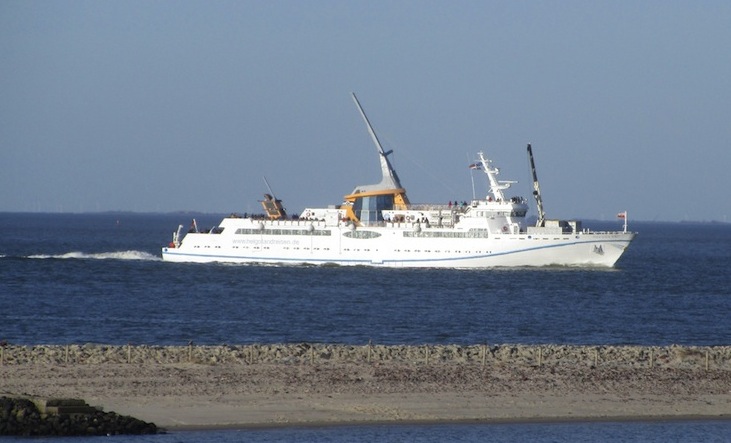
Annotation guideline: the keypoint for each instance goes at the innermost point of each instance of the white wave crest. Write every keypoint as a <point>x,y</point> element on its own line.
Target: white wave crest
<point>117,255</point>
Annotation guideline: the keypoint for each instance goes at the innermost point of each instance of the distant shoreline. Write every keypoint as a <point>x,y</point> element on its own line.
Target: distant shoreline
<point>262,386</point>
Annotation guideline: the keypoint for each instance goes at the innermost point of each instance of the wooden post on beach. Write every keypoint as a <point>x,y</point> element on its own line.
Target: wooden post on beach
<point>129,353</point>
<point>190,351</point>
<point>2,356</point>
<point>484,354</point>
<point>312,354</point>
<point>652,355</point>
<point>369,350</point>
<point>706,359</point>
<point>540,356</point>
<point>596,357</point>
<point>427,351</point>
<point>66,355</point>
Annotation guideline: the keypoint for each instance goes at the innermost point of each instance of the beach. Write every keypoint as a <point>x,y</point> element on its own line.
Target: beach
<point>189,387</point>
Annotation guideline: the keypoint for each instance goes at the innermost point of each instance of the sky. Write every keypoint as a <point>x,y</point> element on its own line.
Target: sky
<point>187,105</point>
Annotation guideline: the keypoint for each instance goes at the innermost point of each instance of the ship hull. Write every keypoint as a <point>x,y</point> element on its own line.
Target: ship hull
<point>395,246</point>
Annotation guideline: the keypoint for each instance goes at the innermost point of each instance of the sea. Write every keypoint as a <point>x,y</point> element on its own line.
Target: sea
<point>99,278</point>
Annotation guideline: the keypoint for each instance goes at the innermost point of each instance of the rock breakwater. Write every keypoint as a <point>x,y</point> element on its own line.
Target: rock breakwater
<point>671,357</point>
<point>21,416</point>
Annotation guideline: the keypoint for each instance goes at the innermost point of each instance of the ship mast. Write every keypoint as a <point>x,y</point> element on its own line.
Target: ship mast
<point>496,186</point>
<point>536,190</point>
<point>390,178</point>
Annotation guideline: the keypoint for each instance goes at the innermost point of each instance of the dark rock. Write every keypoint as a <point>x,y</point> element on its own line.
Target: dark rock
<point>20,416</point>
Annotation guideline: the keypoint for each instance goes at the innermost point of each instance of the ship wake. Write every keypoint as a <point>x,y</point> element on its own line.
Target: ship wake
<point>115,255</point>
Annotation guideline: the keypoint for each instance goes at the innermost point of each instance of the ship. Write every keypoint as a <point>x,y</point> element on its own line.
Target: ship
<point>376,225</point>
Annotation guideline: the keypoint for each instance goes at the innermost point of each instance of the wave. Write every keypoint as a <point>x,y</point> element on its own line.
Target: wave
<point>116,255</point>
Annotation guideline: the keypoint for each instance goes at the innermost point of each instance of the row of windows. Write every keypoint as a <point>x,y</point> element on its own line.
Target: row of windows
<point>296,248</point>
<point>438,251</point>
<point>473,233</point>
<point>361,234</point>
<point>247,231</point>
<point>500,213</point>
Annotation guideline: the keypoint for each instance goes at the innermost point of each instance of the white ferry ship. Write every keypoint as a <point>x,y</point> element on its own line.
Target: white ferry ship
<point>376,225</point>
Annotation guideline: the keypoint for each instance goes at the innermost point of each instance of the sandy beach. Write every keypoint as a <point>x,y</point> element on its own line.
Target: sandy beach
<point>275,385</point>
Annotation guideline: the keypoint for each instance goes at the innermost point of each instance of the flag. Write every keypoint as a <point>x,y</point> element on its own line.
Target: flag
<point>622,214</point>
<point>475,166</point>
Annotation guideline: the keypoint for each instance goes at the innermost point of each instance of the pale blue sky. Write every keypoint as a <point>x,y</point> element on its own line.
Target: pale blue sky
<point>181,105</point>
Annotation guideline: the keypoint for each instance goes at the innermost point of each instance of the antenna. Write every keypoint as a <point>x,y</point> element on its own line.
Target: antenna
<point>536,189</point>
<point>370,128</point>
<point>474,194</point>
<point>269,187</point>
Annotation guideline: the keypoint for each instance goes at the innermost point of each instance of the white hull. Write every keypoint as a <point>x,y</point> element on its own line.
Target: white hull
<point>307,245</point>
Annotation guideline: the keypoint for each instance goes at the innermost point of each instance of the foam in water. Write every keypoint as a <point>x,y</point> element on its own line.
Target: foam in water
<point>117,255</point>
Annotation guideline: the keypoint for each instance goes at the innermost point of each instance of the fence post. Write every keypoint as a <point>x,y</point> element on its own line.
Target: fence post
<point>540,356</point>
<point>484,354</point>
<point>706,359</point>
<point>369,350</point>
<point>190,351</point>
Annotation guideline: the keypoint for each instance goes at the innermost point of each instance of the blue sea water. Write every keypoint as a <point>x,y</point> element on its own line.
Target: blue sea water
<point>98,278</point>
<point>701,431</point>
